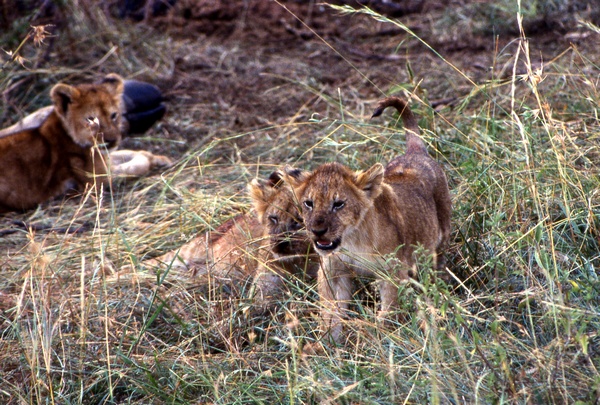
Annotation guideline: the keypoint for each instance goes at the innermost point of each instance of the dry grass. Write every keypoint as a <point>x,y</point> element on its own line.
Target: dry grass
<point>520,143</point>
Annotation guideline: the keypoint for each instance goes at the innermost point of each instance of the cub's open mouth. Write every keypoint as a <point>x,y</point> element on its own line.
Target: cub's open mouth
<point>327,245</point>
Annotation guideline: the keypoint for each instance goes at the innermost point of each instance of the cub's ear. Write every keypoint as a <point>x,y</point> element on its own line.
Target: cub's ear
<point>63,96</point>
<point>260,192</point>
<point>276,179</point>
<point>294,176</point>
<point>370,180</point>
<point>113,83</point>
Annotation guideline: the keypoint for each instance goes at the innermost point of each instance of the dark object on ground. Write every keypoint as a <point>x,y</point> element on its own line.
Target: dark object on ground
<point>143,106</point>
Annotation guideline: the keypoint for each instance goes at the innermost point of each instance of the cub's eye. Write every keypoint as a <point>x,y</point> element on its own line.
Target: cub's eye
<point>338,205</point>
<point>114,116</point>
<point>274,219</point>
<point>308,204</point>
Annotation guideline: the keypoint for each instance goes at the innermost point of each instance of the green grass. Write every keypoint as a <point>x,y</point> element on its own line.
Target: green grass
<point>517,323</point>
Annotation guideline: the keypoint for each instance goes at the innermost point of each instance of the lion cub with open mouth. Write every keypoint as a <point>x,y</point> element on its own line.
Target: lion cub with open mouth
<point>357,218</point>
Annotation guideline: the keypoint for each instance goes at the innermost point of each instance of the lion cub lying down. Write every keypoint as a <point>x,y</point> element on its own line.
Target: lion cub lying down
<point>66,148</point>
<point>356,218</point>
<point>267,246</point>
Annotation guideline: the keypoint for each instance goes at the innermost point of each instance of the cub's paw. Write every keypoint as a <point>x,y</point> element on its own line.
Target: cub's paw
<point>136,163</point>
<point>160,161</point>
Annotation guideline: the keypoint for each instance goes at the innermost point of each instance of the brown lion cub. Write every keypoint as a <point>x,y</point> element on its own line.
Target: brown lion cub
<point>267,246</point>
<point>287,250</point>
<point>63,147</point>
<point>357,218</point>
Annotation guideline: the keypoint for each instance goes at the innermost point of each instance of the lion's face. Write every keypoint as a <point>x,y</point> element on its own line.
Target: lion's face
<point>334,201</point>
<point>277,212</point>
<point>91,113</point>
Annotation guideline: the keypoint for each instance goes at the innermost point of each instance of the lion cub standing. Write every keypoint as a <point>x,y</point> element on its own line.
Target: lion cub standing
<point>63,147</point>
<point>356,218</point>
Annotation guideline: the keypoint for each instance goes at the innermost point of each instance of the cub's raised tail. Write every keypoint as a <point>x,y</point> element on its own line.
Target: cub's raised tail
<point>414,144</point>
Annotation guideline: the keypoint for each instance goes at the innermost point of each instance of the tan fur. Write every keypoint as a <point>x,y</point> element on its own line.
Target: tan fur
<point>63,147</point>
<point>136,163</point>
<point>286,247</point>
<point>357,218</point>
<point>266,246</point>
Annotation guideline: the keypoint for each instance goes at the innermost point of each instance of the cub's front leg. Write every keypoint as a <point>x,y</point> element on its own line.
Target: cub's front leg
<point>89,169</point>
<point>335,291</point>
<point>267,284</point>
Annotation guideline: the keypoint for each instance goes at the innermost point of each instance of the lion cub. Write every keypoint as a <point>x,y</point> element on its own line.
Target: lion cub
<point>356,218</point>
<point>64,146</point>
<point>267,246</point>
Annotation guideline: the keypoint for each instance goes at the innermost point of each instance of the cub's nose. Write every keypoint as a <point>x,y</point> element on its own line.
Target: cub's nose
<point>319,232</point>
